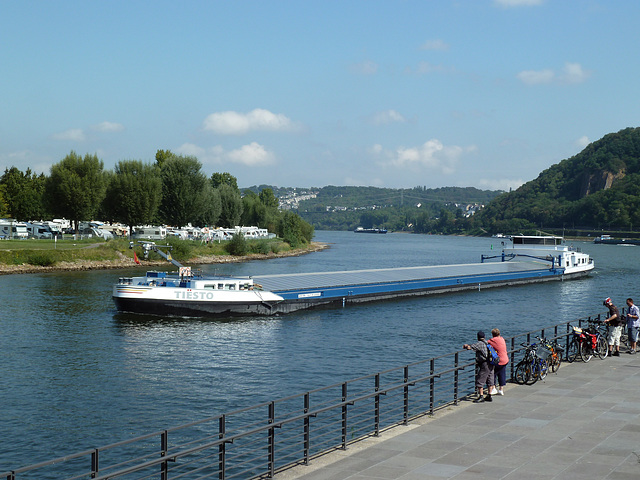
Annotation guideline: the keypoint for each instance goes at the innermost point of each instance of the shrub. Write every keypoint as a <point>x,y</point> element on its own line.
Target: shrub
<point>237,245</point>
<point>260,246</point>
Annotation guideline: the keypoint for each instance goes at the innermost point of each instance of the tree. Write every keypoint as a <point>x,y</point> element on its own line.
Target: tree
<point>225,178</point>
<point>76,187</point>
<point>268,199</point>
<point>231,206</point>
<point>134,193</point>
<point>186,192</point>
<point>23,194</point>
<point>162,155</point>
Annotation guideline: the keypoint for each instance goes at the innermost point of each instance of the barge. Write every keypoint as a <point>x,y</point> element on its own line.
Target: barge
<point>187,293</point>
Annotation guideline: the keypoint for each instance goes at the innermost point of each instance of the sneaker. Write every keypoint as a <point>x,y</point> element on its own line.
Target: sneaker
<point>479,400</point>
<point>501,392</point>
<point>632,352</point>
<point>488,398</point>
<point>494,391</point>
<point>615,354</point>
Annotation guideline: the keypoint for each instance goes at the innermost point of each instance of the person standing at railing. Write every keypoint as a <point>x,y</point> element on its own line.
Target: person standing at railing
<point>614,323</point>
<point>484,371</point>
<point>633,325</point>
<point>499,371</point>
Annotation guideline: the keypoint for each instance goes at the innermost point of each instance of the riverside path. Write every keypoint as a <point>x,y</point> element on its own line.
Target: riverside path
<point>581,423</point>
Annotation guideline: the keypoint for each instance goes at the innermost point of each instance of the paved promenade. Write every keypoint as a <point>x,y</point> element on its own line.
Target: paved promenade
<point>581,423</point>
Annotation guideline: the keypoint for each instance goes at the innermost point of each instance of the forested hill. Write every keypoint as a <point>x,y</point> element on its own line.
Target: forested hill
<point>599,188</point>
<point>418,209</point>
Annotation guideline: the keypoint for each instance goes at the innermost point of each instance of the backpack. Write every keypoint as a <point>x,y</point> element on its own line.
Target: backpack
<point>492,356</point>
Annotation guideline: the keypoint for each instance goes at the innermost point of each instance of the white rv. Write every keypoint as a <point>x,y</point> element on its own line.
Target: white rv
<point>13,229</point>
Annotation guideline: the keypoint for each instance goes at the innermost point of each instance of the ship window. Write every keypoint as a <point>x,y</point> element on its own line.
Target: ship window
<point>221,286</point>
<point>211,286</point>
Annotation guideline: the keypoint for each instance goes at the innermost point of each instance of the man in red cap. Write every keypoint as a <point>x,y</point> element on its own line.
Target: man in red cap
<point>614,321</point>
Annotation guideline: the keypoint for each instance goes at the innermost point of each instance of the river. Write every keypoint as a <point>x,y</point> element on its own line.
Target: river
<point>76,374</point>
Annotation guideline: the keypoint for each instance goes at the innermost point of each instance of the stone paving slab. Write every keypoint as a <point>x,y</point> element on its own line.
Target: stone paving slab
<point>581,423</point>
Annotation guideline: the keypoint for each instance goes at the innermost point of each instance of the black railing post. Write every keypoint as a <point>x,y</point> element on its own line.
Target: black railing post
<point>406,395</point>
<point>456,379</point>
<point>432,386</point>
<point>307,428</point>
<point>95,463</point>
<point>344,416</point>
<point>376,406</point>
<point>164,447</point>
<point>222,448</point>
<point>513,357</point>
<point>271,432</point>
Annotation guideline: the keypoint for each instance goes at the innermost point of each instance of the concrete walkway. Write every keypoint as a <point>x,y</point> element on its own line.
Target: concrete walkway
<point>581,423</point>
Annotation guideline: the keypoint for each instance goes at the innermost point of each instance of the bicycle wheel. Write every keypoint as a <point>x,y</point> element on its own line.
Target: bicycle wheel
<point>555,361</point>
<point>586,352</point>
<point>533,371</point>
<point>624,339</point>
<point>602,349</point>
<point>543,368</point>
<point>521,373</point>
<point>573,351</point>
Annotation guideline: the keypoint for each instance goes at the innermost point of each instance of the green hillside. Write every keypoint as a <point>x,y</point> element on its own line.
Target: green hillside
<point>597,189</point>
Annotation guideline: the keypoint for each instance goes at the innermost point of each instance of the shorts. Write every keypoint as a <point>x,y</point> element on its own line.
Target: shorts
<point>613,338</point>
<point>484,375</point>
<point>633,334</point>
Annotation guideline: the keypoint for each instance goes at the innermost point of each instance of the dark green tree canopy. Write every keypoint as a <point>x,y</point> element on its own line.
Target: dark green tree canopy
<point>186,192</point>
<point>134,193</point>
<point>225,178</point>
<point>76,187</point>
<point>23,194</point>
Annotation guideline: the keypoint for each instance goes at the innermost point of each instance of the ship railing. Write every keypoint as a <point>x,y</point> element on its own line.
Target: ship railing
<point>261,440</point>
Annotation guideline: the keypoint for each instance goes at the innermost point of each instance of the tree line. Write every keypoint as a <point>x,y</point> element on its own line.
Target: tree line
<point>173,190</point>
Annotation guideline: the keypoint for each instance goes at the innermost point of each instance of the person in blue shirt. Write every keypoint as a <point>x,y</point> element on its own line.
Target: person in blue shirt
<point>633,325</point>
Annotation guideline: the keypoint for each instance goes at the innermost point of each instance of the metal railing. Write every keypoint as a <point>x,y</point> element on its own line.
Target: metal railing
<point>258,441</point>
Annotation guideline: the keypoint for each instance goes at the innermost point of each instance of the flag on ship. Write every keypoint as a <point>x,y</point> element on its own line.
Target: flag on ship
<point>135,258</point>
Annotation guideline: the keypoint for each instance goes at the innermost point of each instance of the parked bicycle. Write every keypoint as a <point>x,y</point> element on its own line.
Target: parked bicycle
<point>554,358</point>
<point>587,342</point>
<point>532,367</point>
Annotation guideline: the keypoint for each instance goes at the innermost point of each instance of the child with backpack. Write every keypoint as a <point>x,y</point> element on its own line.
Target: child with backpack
<point>484,367</point>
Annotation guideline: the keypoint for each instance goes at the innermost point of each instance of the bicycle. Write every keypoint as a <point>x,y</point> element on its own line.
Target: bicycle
<point>554,358</point>
<point>587,342</point>
<point>532,367</point>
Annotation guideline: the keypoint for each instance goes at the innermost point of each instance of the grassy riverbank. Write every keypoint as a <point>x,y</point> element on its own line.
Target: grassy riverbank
<point>26,256</point>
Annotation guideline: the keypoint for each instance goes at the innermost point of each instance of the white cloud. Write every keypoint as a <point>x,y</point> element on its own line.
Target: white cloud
<point>234,123</point>
<point>368,67</point>
<point>108,127</point>
<point>573,73</point>
<point>388,116</point>
<point>435,45</point>
<point>74,135</point>
<point>536,77</point>
<point>433,155</point>
<point>517,3</point>
<point>570,74</point>
<point>253,154</point>
<point>582,142</point>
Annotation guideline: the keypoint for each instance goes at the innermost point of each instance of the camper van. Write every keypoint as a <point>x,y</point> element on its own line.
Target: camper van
<point>13,229</point>
<point>150,233</point>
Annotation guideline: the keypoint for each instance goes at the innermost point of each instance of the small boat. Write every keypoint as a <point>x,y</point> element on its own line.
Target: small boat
<point>370,230</point>
<point>190,293</point>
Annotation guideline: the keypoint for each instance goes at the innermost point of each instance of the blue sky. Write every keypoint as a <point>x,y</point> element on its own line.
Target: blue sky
<point>482,93</point>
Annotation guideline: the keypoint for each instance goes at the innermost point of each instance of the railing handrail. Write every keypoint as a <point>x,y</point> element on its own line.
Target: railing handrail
<point>269,423</point>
